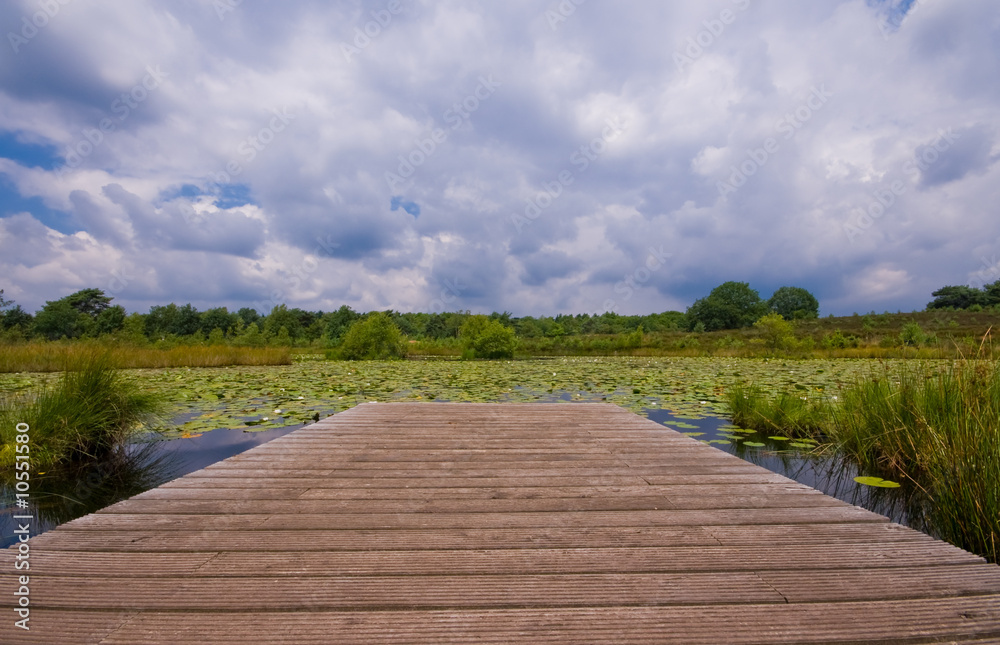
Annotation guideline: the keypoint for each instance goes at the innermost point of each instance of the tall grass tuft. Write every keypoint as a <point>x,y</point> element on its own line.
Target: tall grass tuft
<point>787,414</point>
<point>943,431</point>
<point>938,428</point>
<point>91,412</point>
<point>53,357</point>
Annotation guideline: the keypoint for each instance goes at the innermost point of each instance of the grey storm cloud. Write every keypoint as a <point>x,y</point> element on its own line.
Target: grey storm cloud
<point>397,177</point>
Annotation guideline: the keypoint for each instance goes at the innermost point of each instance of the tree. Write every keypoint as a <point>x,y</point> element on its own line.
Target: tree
<point>19,318</point>
<point>59,319</point>
<point>217,318</point>
<point>777,332</point>
<point>110,320</point>
<point>731,305</point>
<point>486,338</point>
<point>338,322</point>
<point>280,317</point>
<point>958,297</point>
<point>992,292</point>
<point>373,338</point>
<point>90,302</point>
<point>794,303</point>
<point>248,315</point>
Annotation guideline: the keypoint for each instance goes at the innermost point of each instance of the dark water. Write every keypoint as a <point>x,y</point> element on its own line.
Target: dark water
<point>55,500</point>
<point>826,472</point>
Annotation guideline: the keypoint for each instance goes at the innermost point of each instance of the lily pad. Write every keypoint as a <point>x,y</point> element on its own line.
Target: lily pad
<point>876,481</point>
<point>779,438</point>
<point>755,444</point>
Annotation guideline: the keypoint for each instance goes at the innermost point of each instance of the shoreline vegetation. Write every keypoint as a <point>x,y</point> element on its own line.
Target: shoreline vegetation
<point>937,427</point>
<point>90,413</point>
<point>921,335</point>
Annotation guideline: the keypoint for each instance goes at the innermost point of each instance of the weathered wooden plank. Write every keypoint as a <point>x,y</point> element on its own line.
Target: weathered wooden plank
<point>493,504</point>
<point>965,620</point>
<point>290,520</point>
<point>675,559</point>
<point>263,592</point>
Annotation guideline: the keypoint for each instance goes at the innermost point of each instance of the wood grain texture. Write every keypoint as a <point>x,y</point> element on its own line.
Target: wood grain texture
<point>458,523</point>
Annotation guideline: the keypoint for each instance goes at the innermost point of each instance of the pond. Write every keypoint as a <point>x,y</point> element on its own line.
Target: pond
<point>220,412</point>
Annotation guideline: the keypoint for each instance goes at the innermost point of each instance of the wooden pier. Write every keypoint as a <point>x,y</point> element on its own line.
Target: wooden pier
<point>476,523</point>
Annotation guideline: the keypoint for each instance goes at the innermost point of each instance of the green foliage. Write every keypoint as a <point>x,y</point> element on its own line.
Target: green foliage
<point>250,336</point>
<point>731,305</point>
<point>838,340</point>
<point>958,297</point>
<point>913,335</point>
<point>794,303</point>
<point>486,338</point>
<point>110,320</point>
<point>373,338</point>
<point>777,332</point>
<point>338,322</point>
<point>92,411</point>
<point>58,319</point>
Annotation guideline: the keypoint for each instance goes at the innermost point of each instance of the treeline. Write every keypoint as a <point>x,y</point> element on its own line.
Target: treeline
<point>965,297</point>
<point>89,313</point>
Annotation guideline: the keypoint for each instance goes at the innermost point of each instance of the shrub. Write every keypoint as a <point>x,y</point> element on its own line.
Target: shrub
<point>373,338</point>
<point>913,335</point>
<point>777,332</point>
<point>485,338</point>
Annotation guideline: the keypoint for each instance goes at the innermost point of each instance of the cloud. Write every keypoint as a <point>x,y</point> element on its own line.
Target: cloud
<point>264,147</point>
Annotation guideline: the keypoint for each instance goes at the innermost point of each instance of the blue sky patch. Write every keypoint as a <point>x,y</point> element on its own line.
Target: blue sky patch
<point>13,202</point>
<point>30,155</point>
<point>410,207</point>
<point>234,196</point>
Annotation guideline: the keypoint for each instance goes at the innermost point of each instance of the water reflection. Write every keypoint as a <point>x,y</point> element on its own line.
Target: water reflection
<point>825,471</point>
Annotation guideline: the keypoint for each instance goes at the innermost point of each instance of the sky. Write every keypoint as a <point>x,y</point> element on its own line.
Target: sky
<point>573,156</point>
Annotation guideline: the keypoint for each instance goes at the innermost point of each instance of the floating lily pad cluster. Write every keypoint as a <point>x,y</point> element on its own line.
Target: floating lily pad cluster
<point>259,398</point>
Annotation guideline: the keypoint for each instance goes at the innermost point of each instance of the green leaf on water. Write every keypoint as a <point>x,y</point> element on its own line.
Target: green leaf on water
<point>779,438</point>
<point>681,424</point>
<point>754,444</point>
<point>804,446</point>
<point>876,481</point>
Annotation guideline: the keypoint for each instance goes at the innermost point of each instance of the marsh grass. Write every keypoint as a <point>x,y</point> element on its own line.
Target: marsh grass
<point>787,413</point>
<point>88,414</point>
<point>54,357</point>
<point>939,428</point>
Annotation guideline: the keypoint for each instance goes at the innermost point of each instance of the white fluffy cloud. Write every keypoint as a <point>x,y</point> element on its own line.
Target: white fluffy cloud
<point>419,155</point>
